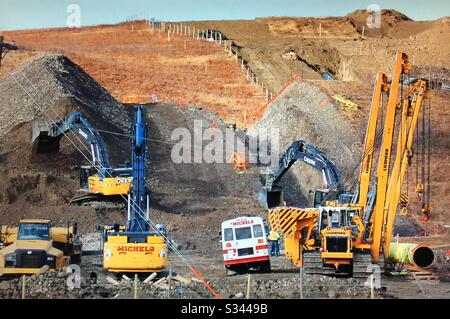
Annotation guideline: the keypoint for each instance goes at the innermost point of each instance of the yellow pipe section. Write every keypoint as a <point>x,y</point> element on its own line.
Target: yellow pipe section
<point>413,254</point>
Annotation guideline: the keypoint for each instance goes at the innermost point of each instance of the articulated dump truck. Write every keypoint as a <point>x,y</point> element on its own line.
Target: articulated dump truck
<point>35,244</point>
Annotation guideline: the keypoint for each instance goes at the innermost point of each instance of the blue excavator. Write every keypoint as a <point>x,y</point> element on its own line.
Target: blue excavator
<point>98,180</point>
<point>272,194</point>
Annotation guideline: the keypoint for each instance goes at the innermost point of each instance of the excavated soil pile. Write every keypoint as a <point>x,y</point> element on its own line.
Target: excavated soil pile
<point>314,286</point>
<point>49,88</point>
<point>41,84</point>
<point>195,186</point>
<point>304,112</point>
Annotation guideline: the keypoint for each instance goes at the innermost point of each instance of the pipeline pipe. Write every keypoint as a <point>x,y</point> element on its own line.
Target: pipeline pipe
<point>413,254</point>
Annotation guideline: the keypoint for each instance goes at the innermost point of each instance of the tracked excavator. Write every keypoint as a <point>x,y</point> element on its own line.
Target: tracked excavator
<point>99,181</point>
<point>351,238</point>
<point>272,193</point>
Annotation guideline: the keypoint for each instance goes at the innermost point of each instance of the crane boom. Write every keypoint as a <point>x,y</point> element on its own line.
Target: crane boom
<point>401,66</point>
<point>137,220</point>
<point>411,111</point>
<point>369,145</point>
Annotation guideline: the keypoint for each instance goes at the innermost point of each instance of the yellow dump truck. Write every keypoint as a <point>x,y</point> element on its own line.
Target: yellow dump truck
<point>34,244</point>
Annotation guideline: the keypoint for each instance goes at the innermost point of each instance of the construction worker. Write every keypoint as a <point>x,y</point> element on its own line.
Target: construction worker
<point>274,238</point>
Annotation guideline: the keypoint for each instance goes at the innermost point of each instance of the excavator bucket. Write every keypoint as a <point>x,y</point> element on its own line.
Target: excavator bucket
<point>270,198</point>
<point>42,139</point>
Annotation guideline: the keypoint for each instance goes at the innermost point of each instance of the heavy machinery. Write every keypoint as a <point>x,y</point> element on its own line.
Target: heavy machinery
<point>272,194</point>
<point>134,247</point>
<point>5,48</point>
<point>348,237</point>
<point>99,180</point>
<point>34,244</point>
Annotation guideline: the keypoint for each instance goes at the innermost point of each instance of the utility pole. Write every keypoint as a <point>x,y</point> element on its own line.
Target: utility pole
<point>5,47</point>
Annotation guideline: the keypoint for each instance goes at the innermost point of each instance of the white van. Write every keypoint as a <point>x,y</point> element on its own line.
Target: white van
<point>244,244</point>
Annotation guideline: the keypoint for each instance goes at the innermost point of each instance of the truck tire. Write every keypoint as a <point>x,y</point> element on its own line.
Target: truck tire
<point>265,267</point>
<point>75,259</point>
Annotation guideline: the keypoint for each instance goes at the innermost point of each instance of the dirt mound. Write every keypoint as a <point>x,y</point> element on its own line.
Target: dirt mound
<point>305,112</point>
<point>333,26</point>
<point>323,59</point>
<point>389,19</point>
<point>51,87</point>
<point>192,187</point>
<point>55,285</point>
<point>41,84</point>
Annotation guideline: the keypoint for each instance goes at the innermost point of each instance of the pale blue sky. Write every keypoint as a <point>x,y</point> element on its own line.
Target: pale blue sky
<point>26,14</point>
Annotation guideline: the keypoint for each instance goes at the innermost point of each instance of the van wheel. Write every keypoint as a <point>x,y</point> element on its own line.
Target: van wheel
<point>265,267</point>
<point>75,259</point>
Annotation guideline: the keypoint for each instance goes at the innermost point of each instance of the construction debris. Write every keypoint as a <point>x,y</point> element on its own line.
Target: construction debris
<point>345,102</point>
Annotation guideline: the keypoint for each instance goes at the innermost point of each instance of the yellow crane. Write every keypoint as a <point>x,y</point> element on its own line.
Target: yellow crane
<point>347,237</point>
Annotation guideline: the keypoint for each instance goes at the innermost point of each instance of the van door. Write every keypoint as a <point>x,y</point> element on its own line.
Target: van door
<point>228,243</point>
<point>245,242</point>
<point>260,240</point>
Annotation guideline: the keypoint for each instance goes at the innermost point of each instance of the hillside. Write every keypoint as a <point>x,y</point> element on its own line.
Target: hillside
<point>133,61</point>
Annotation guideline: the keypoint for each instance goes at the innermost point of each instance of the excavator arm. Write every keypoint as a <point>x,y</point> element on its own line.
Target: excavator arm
<point>49,133</point>
<point>272,196</point>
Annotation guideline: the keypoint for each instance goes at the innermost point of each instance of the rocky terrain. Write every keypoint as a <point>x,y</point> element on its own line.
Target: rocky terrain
<point>202,86</point>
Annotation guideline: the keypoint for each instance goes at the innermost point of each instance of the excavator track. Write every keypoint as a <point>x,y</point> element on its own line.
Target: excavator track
<point>99,202</point>
<point>361,266</point>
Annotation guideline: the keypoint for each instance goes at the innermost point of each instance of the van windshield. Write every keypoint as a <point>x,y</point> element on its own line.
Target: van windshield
<point>243,233</point>
<point>33,232</point>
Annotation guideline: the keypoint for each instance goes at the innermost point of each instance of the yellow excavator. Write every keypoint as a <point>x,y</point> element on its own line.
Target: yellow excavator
<point>34,244</point>
<point>99,181</point>
<point>338,237</point>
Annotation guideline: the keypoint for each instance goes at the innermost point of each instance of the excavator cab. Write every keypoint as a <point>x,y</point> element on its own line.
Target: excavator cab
<point>337,216</point>
<point>320,195</point>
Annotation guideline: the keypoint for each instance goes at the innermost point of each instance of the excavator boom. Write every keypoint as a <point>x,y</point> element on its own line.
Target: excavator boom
<point>271,195</point>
